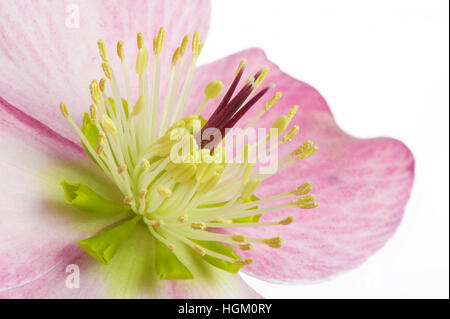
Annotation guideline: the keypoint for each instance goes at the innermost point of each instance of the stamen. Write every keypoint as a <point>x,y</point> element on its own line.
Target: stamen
<point>184,44</point>
<point>275,242</point>
<point>247,246</point>
<point>164,191</point>
<point>63,109</point>
<point>102,50</point>
<point>109,124</point>
<point>159,41</point>
<point>182,218</point>
<point>93,112</point>
<point>286,221</point>
<point>140,40</point>
<point>95,92</point>
<point>107,70</point>
<point>139,106</point>
<point>203,188</point>
<point>199,250</point>
<point>212,90</point>
<point>290,135</point>
<point>264,72</point>
<point>120,50</point>
<point>244,262</point>
<point>101,85</point>
<point>302,189</point>
<point>121,169</point>
<point>142,194</point>
<point>142,61</point>
<point>239,238</point>
<point>128,200</point>
<point>199,226</point>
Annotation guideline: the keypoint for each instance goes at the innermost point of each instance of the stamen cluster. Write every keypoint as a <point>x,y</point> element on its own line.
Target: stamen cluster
<point>189,198</point>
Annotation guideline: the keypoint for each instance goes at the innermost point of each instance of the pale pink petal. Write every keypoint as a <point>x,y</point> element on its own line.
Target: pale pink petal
<point>362,184</point>
<point>44,59</point>
<point>130,274</point>
<point>36,226</point>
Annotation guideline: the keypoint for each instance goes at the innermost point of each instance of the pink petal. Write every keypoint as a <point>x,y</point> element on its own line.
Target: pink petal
<point>362,185</point>
<point>36,226</point>
<point>44,62</point>
<point>138,281</point>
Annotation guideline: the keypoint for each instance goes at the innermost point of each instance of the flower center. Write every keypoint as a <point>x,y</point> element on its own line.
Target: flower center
<point>178,183</point>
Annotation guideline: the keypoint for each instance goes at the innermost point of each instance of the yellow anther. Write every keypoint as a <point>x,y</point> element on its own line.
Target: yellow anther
<point>63,108</point>
<point>140,40</point>
<point>213,89</point>
<point>100,148</point>
<point>290,135</point>
<point>223,220</point>
<point>309,205</point>
<point>195,44</point>
<point>120,50</point>
<point>127,200</point>
<point>175,57</point>
<point>182,218</point>
<point>198,226</point>
<point>109,124</point>
<point>250,187</point>
<point>102,84</point>
<point>142,61</point>
<point>262,76</point>
<point>163,191</point>
<point>302,148</point>
<point>302,189</point>
<point>305,199</point>
<point>155,40</point>
<point>159,41</point>
<point>247,173</point>
<point>184,45</point>
<point>95,91</point>
<point>93,112</point>
<point>142,194</point>
<point>241,65</point>
<point>243,262</point>
<point>157,223</point>
<point>239,238</point>
<point>286,221</point>
<point>308,153</point>
<point>273,101</point>
<point>171,248</point>
<point>106,70</point>
<point>275,242</point>
<point>121,169</point>
<point>140,105</point>
<point>280,125</point>
<point>247,246</point>
<point>199,250</point>
<point>145,164</point>
<point>292,112</point>
<point>102,50</point>
<point>101,143</point>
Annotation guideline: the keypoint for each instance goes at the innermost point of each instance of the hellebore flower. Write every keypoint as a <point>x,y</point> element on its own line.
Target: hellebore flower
<point>138,224</point>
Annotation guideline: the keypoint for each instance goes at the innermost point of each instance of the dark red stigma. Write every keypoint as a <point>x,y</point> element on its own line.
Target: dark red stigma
<point>231,110</point>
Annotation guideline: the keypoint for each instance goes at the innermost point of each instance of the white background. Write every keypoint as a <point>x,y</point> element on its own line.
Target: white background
<point>383,68</point>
